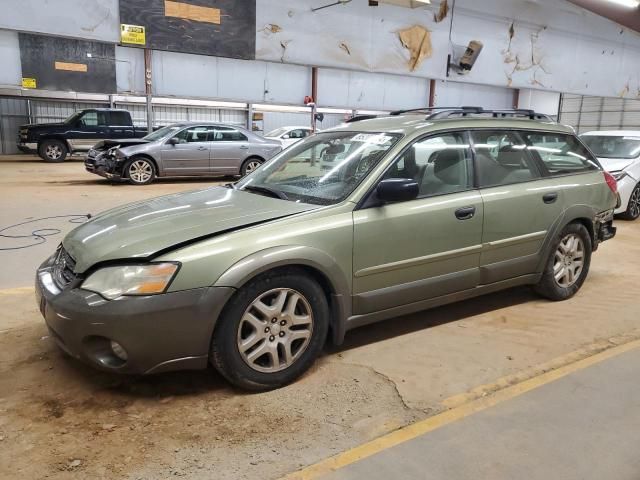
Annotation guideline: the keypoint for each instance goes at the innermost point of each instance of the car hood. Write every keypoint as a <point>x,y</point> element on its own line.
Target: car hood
<point>124,142</point>
<point>143,229</point>
<point>615,164</point>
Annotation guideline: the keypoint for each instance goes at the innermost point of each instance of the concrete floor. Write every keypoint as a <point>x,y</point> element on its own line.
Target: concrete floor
<point>59,419</point>
<point>585,426</point>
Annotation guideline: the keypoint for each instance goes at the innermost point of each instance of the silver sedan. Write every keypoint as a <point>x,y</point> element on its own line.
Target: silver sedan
<point>182,149</point>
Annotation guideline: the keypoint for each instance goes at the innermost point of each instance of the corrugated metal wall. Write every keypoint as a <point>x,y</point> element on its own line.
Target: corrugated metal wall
<point>13,113</point>
<point>599,113</point>
<point>273,120</point>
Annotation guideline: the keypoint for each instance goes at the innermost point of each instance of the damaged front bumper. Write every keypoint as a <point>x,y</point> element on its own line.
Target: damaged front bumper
<point>103,164</point>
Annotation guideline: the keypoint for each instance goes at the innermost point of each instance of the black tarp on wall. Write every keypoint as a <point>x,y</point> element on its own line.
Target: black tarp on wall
<point>234,36</point>
<point>68,65</point>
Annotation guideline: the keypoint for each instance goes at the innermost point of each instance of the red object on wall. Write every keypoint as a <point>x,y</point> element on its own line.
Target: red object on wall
<point>308,100</point>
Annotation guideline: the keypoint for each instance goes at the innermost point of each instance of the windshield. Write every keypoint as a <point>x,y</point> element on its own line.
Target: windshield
<point>609,146</point>
<point>323,169</point>
<point>162,132</point>
<point>277,132</point>
<point>73,118</point>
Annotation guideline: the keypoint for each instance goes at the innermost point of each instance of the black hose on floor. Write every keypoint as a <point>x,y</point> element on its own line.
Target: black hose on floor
<point>40,235</point>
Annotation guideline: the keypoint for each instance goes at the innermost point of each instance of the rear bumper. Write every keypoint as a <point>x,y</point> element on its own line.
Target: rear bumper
<point>603,228</point>
<point>163,332</point>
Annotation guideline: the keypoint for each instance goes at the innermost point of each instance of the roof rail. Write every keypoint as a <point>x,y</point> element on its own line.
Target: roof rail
<point>357,118</point>
<point>431,109</point>
<point>466,111</point>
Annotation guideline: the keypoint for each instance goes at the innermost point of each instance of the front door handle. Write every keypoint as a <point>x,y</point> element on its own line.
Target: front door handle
<point>202,148</point>
<point>550,197</point>
<point>465,213</point>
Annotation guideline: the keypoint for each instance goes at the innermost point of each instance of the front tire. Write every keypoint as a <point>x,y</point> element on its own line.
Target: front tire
<point>568,264</point>
<point>633,207</point>
<point>140,171</point>
<point>53,151</point>
<point>272,331</point>
<point>249,165</point>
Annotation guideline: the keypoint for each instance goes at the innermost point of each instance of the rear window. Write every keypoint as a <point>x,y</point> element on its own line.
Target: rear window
<point>561,153</point>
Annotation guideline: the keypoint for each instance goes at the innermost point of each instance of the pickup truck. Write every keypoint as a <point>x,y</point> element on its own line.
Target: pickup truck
<point>78,133</point>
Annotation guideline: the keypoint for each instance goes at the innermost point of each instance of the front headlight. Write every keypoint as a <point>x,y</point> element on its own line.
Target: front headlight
<point>114,282</point>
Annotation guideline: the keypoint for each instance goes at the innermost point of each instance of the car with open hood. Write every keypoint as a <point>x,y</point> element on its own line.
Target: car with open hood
<point>181,149</point>
<point>619,153</point>
<point>422,209</point>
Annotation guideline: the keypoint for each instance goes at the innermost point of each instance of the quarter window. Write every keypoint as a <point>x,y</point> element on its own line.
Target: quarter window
<point>226,134</point>
<point>439,164</point>
<point>502,158</point>
<point>561,153</point>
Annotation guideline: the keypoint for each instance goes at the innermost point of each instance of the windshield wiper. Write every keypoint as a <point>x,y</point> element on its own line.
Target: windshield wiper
<point>268,190</point>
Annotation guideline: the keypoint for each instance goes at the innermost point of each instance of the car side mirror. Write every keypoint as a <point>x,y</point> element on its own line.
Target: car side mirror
<point>397,190</point>
<point>286,137</point>
<point>173,141</point>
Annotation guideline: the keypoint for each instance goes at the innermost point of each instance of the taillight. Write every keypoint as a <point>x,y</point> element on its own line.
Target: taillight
<point>611,182</point>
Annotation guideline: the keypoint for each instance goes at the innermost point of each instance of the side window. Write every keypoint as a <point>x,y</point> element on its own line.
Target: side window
<point>193,134</point>
<point>226,134</point>
<point>89,119</point>
<point>299,133</point>
<point>440,164</point>
<point>502,158</point>
<point>561,153</point>
<point>119,119</point>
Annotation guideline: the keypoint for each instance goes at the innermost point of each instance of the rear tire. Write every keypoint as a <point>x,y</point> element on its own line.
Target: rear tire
<point>633,207</point>
<point>271,331</point>
<point>140,171</point>
<point>53,151</point>
<point>568,264</point>
<point>249,165</point>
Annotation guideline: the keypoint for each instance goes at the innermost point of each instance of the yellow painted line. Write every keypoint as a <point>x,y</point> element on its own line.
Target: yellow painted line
<point>432,423</point>
<point>16,291</point>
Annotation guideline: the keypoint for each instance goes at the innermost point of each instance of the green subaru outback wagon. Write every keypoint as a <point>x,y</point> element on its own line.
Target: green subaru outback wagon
<point>369,221</point>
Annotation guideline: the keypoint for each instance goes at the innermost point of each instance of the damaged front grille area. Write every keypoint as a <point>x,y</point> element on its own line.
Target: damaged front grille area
<point>63,267</point>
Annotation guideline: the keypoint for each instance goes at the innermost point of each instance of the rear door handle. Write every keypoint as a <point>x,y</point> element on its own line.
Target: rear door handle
<point>465,213</point>
<point>244,147</point>
<point>550,197</point>
<point>202,148</point>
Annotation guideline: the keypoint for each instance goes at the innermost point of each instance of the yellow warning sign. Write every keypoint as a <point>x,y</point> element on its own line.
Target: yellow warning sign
<point>28,82</point>
<point>132,34</point>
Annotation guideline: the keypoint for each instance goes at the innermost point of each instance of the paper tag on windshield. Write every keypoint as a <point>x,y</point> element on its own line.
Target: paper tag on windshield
<point>375,138</point>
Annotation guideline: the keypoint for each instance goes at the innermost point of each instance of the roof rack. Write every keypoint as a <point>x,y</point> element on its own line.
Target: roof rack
<point>468,111</point>
<point>357,118</point>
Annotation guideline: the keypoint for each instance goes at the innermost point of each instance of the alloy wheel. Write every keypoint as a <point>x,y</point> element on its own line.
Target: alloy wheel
<point>140,171</point>
<point>634,203</point>
<point>275,330</point>
<point>54,152</point>
<point>252,165</point>
<point>569,260</point>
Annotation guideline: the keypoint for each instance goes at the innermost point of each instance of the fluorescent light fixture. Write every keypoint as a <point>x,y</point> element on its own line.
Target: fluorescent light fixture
<point>281,108</point>
<point>626,3</point>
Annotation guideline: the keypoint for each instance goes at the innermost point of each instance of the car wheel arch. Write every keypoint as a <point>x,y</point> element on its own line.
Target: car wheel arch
<point>311,261</point>
<point>41,140</point>
<point>146,157</point>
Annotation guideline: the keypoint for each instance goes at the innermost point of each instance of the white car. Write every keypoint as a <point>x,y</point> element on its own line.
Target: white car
<point>619,153</point>
<point>287,136</point>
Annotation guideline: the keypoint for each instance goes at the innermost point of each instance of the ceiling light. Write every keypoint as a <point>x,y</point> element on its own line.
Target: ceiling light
<point>626,3</point>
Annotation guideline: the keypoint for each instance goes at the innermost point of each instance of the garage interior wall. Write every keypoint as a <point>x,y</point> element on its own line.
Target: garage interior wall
<point>599,113</point>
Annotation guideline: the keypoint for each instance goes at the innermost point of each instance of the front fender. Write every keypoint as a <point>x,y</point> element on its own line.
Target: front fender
<point>291,255</point>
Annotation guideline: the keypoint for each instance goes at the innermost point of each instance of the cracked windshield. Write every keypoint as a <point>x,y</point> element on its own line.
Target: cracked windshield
<point>324,169</point>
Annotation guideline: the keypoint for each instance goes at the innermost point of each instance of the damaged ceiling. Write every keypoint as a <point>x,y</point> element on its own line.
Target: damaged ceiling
<point>624,15</point>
